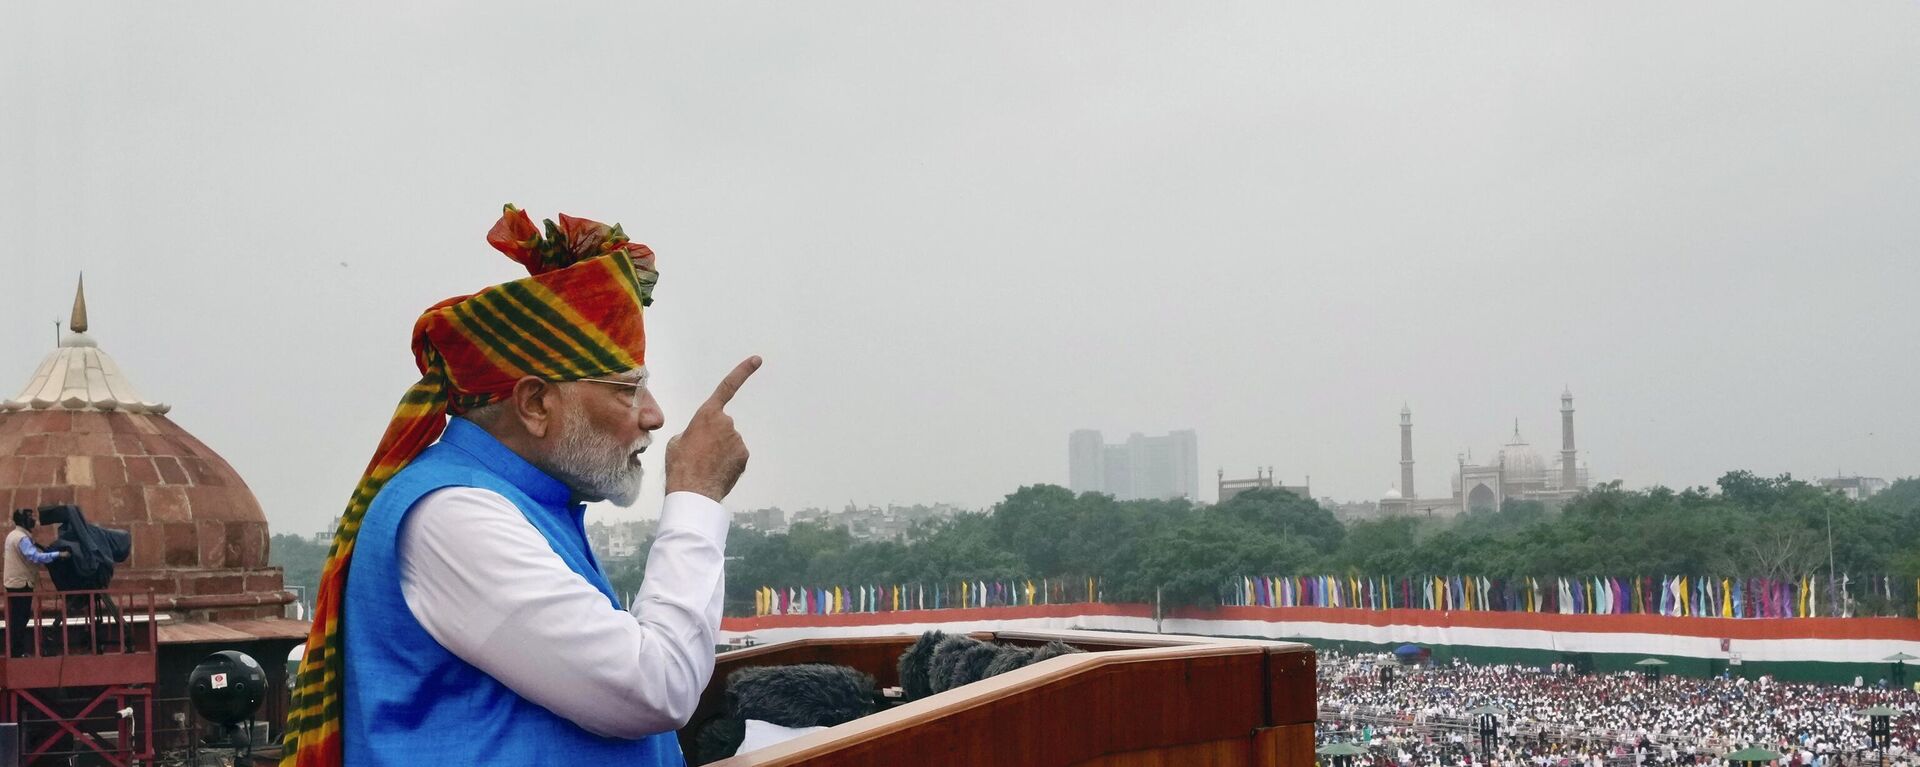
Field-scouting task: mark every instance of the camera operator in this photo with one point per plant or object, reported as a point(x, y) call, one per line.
point(22, 573)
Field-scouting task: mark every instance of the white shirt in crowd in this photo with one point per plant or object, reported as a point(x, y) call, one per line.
point(486, 585)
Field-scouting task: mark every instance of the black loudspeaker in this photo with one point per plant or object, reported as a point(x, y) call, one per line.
point(9, 744)
point(226, 687)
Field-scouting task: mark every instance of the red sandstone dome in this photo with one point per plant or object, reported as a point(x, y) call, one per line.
point(79, 433)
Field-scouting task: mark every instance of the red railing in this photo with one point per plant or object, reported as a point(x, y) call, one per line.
point(78, 674)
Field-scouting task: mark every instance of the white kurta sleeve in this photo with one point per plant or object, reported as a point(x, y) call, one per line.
point(487, 586)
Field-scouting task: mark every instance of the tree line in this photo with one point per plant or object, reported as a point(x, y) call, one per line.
point(1745, 526)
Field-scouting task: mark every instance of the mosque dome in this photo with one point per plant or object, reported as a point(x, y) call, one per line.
point(79, 433)
point(1392, 494)
point(1518, 461)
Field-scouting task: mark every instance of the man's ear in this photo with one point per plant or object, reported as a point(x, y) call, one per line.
point(534, 401)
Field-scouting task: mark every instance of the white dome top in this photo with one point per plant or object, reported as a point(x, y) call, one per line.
point(1392, 494)
point(79, 376)
point(1518, 461)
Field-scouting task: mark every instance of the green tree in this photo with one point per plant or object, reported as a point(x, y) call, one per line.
point(1192, 560)
point(1379, 547)
point(1289, 515)
point(300, 560)
point(1032, 524)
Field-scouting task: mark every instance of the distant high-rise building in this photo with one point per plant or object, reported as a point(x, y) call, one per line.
point(1143, 467)
point(1116, 472)
point(1086, 454)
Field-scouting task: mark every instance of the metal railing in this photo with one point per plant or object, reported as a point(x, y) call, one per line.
point(68, 623)
point(78, 673)
point(104, 727)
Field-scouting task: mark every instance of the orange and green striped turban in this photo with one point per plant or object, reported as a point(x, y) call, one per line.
point(578, 315)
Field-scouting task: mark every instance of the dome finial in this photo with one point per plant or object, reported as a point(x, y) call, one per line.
point(79, 321)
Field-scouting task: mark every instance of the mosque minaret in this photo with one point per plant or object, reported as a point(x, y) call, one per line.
point(1568, 469)
point(1406, 452)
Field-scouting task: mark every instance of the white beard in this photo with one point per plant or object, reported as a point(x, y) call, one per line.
point(592, 464)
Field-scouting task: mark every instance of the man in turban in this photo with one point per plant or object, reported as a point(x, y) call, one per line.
point(462, 617)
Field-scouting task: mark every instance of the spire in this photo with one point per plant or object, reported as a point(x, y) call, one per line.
point(1516, 431)
point(79, 322)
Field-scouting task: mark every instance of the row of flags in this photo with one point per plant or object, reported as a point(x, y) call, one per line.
point(1679, 596)
point(1695, 596)
point(771, 600)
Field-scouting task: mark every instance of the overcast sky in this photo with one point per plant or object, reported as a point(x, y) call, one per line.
point(958, 232)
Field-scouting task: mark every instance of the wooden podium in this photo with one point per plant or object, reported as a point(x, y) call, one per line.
point(1132, 700)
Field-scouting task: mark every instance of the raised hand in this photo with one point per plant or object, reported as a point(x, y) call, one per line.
point(709, 457)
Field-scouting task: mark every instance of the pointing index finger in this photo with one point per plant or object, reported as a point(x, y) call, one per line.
point(730, 385)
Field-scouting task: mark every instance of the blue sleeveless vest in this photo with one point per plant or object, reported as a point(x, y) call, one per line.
point(408, 699)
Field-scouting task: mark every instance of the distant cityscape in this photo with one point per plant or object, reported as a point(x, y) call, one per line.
point(1167, 467)
point(620, 540)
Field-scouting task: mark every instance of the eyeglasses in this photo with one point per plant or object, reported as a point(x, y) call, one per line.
point(636, 386)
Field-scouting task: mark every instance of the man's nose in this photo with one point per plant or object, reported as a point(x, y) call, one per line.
point(650, 416)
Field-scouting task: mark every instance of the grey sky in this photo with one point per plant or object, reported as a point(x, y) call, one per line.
point(957, 232)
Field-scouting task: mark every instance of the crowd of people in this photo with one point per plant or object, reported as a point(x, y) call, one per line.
point(1415, 716)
